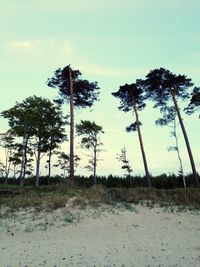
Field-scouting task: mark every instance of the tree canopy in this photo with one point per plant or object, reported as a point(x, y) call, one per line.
point(128, 94)
point(85, 92)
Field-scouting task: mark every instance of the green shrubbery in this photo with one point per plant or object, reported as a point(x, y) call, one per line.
point(162, 181)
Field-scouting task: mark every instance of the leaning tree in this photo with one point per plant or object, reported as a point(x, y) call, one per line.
point(76, 91)
point(132, 98)
point(169, 119)
point(162, 86)
point(90, 133)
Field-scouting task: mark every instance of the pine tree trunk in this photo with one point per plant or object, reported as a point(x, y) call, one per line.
point(38, 167)
point(95, 164)
point(186, 139)
point(25, 162)
point(71, 173)
point(22, 161)
point(142, 146)
point(8, 163)
point(7, 172)
point(49, 167)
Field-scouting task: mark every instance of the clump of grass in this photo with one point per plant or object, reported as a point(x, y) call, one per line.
point(186, 197)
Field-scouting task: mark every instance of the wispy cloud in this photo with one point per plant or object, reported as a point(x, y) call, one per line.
point(22, 45)
point(40, 45)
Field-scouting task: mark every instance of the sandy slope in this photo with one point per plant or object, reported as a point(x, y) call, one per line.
point(142, 237)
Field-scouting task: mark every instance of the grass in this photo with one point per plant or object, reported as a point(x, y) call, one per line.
point(55, 197)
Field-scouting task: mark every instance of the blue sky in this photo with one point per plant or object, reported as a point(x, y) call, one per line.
point(112, 42)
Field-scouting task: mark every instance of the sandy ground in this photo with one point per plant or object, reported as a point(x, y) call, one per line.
point(133, 237)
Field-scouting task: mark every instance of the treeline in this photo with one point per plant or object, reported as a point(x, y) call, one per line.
point(37, 126)
point(162, 181)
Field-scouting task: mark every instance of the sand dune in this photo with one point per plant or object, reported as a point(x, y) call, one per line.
point(137, 237)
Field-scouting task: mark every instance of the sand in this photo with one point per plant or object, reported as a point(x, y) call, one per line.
point(139, 237)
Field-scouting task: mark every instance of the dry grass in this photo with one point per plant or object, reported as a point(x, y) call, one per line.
point(50, 198)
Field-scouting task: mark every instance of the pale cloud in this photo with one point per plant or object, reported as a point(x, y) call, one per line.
point(22, 45)
point(109, 71)
point(43, 45)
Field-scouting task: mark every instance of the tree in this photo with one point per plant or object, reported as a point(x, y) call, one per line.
point(64, 162)
point(56, 136)
point(194, 104)
point(169, 119)
point(161, 86)
point(7, 142)
point(37, 120)
point(132, 98)
point(19, 118)
point(91, 140)
point(76, 91)
point(122, 157)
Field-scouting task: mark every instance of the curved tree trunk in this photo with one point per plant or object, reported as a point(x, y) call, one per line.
point(186, 139)
point(71, 172)
point(142, 146)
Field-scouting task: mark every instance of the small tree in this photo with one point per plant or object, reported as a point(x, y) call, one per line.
point(76, 91)
point(7, 142)
point(56, 136)
point(19, 119)
point(132, 97)
point(122, 157)
point(169, 119)
point(64, 163)
point(91, 140)
point(161, 86)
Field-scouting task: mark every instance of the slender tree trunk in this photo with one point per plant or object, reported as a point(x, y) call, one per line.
point(8, 163)
point(38, 166)
point(179, 156)
point(49, 166)
point(25, 162)
point(71, 173)
point(186, 139)
point(22, 161)
point(142, 146)
point(95, 164)
point(7, 172)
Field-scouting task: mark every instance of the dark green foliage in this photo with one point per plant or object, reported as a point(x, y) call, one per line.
point(90, 133)
point(40, 123)
point(194, 104)
point(132, 127)
point(127, 94)
point(169, 116)
point(85, 92)
point(63, 162)
point(162, 181)
point(122, 157)
point(160, 83)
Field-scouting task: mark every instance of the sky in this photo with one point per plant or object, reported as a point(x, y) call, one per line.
point(112, 42)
